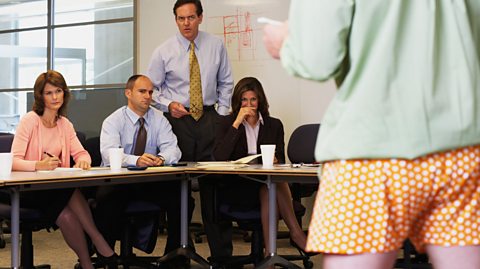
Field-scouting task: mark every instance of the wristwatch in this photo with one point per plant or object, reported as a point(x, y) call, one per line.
point(162, 158)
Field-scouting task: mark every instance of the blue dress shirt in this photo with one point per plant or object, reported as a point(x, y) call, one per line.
point(120, 130)
point(170, 72)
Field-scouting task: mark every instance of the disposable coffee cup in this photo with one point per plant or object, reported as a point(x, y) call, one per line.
point(115, 158)
point(6, 159)
point(268, 154)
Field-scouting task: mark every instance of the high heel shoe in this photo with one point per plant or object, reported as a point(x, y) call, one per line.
point(111, 262)
point(301, 250)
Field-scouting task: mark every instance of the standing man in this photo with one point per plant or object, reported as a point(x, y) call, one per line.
point(400, 141)
point(147, 139)
point(192, 74)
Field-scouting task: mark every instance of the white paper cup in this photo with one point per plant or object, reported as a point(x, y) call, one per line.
point(6, 159)
point(115, 158)
point(268, 154)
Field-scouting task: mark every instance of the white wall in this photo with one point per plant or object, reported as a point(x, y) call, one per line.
point(294, 101)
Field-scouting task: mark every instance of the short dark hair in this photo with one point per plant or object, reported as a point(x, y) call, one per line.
point(180, 3)
point(249, 84)
point(56, 79)
point(131, 81)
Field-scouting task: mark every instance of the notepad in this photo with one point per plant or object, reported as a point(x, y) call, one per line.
point(244, 160)
point(95, 168)
point(223, 165)
point(247, 159)
point(62, 169)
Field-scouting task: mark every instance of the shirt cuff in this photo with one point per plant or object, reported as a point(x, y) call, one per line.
point(223, 110)
point(130, 160)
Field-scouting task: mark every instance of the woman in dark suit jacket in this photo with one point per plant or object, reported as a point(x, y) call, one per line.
point(240, 134)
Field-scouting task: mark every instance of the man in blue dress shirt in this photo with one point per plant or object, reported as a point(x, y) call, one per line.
point(122, 130)
point(170, 71)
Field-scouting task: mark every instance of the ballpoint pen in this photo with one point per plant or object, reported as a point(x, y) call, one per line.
point(48, 154)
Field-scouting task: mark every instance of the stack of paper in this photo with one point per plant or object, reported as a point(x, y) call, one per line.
point(242, 162)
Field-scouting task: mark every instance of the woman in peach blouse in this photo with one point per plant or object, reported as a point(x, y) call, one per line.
point(44, 140)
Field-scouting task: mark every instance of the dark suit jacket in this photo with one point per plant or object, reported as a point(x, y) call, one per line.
point(231, 144)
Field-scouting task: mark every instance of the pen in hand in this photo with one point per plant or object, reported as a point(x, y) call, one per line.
point(51, 156)
point(49, 163)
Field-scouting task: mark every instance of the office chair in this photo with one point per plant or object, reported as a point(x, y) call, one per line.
point(30, 219)
point(81, 137)
point(138, 213)
point(250, 220)
point(301, 150)
point(4, 147)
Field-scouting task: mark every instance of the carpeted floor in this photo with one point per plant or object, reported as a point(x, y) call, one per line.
point(50, 248)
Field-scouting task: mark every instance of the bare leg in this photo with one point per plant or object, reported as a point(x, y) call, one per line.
point(284, 204)
point(360, 261)
point(466, 257)
point(78, 205)
point(73, 234)
point(285, 207)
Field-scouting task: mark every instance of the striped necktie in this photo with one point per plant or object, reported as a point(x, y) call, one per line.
point(196, 97)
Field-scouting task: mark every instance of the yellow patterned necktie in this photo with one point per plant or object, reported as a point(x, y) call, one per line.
point(196, 97)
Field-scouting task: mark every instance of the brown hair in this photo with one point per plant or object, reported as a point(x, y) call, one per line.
point(56, 79)
point(249, 84)
point(131, 81)
point(180, 3)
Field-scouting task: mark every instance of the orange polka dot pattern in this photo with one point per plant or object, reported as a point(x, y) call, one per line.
point(196, 97)
point(372, 206)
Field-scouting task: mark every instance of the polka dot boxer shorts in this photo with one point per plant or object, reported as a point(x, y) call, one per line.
point(372, 206)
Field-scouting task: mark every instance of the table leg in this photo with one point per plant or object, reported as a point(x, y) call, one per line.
point(273, 258)
point(272, 217)
point(15, 227)
point(184, 250)
point(184, 214)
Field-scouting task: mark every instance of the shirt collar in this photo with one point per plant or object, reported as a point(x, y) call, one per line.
point(260, 120)
point(185, 43)
point(134, 117)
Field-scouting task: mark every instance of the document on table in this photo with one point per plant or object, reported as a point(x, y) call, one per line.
point(62, 169)
point(96, 168)
point(247, 159)
point(162, 168)
point(242, 162)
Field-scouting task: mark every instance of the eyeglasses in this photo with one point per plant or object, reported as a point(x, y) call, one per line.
point(189, 18)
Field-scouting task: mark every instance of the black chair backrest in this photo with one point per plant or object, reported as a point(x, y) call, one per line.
point(6, 142)
point(301, 145)
point(92, 145)
point(82, 138)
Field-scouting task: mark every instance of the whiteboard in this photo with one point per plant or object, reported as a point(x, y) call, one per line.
point(295, 101)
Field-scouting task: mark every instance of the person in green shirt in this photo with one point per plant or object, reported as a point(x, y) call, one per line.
point(400, 140)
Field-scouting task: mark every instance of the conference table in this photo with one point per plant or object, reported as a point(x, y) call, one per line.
point(268, 176)
point(40, 180)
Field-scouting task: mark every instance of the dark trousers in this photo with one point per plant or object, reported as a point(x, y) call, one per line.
point(195, 140)
point(111, 202)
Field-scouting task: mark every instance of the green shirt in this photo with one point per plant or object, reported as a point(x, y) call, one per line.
point(408, 73)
